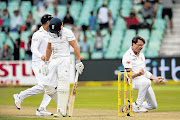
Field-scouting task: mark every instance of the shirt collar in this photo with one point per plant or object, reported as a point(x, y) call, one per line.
point(42, 29)
point(131, 51)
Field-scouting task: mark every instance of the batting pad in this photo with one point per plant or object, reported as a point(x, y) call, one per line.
point(63, 95)
point(51, 91)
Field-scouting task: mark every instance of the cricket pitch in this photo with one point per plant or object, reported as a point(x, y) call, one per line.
point(88, 114)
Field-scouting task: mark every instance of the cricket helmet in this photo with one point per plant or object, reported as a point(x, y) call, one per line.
point(55, 25)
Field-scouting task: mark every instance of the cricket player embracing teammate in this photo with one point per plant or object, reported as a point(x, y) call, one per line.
point(38, 48)
point(57, 70)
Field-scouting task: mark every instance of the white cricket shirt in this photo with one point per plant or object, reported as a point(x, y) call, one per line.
point(60, 45)
point(39, 44)
point(130, 60)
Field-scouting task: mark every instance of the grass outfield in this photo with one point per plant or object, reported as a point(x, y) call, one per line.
point(3, 117)
point(168, 97)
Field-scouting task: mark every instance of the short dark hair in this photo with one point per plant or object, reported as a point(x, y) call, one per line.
point(46, 18)
point(136, 38)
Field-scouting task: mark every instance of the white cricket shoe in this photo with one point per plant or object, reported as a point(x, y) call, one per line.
point(43, 112)
point(139, 108)
point(59, 114)
point(128, 105)
point(17, 101)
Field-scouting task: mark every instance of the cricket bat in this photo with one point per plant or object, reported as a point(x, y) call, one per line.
point(72, 96)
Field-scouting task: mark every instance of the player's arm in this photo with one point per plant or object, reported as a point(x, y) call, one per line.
point(134, 75)
point(45, 69)
point(127, 63)
point(73, 43)
point(158, 79)
point(48, 52)
point(79, 64)
point(34, 47)
point(151, 76)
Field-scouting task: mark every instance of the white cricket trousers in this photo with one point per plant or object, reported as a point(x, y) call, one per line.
point(145, 93)
point(58, 68)
point(37, 89)
point(58, 76)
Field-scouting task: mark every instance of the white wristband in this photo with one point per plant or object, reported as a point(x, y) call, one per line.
point(78, 61)
point(46, 62)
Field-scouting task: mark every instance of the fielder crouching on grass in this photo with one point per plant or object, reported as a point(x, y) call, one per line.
point(57, 84)
point(133, 60)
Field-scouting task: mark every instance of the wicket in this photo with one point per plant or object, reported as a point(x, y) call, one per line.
point(125, 94)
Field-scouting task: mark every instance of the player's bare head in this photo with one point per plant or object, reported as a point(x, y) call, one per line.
point(46, 18)
point(136, 39)
point(137, 44)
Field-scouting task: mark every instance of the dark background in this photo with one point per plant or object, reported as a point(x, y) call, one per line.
point(102, 70)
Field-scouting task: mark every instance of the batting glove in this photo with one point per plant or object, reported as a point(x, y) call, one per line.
point(79, 66)
point(45, 70)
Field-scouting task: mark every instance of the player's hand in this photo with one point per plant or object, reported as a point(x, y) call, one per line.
point(43, 58)
point(159, 79)
point(79, 66)
point(45, 70)
point(141, 72)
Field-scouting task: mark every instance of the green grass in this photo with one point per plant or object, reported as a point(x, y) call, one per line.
point(168, 97)
point(6, 94)
point(3, 117)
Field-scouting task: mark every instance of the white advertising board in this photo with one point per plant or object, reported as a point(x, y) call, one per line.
point(20, 73)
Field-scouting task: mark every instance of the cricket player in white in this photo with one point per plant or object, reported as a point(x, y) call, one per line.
point(58, 69)
point(133, 60)
point(38, 48)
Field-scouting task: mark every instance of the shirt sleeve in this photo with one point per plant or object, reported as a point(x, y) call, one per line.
point(35, 45)
point(70, 35)
point(148, 74)
point(49, 39)
point(127, 63)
